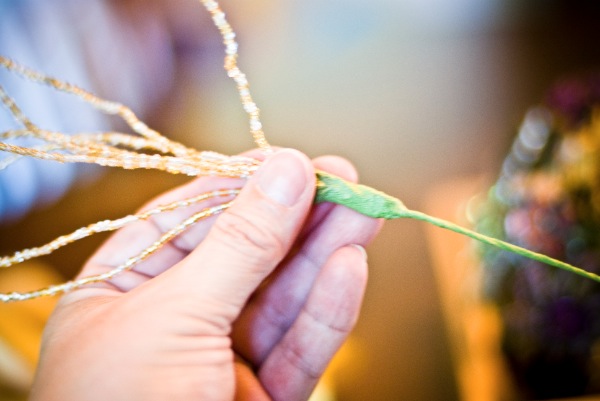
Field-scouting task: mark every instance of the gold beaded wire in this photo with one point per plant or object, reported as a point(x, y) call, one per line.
point(102, 148)
point(117, 149)
point(96, 228)
point(234, 72)
point(108, 225)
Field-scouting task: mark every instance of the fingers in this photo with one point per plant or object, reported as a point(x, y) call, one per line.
point(134, 238)
point(245, 243)
point(273, 310)
point(296, 363)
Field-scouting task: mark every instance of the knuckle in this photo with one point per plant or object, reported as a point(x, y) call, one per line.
point(253, 237)
point(338, 323)
point(299, 360)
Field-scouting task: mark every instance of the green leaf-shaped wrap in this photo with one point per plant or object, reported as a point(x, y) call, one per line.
point(363, 199)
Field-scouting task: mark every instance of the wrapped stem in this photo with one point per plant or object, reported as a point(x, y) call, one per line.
point(374, 203)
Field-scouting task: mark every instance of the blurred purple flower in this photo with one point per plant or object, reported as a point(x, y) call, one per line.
point(574, 98)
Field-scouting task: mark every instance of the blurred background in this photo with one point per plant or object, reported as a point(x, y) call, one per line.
point(417, 93)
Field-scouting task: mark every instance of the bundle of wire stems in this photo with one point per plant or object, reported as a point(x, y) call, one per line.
point(147, 148)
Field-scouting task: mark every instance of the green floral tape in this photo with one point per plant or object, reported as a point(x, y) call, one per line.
point(363, 199)
point(373, 203)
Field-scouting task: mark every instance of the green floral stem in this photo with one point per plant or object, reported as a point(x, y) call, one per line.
point(377, 204)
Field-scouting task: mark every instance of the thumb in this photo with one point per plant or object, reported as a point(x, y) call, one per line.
point(247, 241)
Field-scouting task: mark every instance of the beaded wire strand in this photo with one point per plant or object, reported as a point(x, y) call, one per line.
point(121, 150)
point(117, 149)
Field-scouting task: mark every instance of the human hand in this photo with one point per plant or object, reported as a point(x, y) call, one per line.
point(252, 304)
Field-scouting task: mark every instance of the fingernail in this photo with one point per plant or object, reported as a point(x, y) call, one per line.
point(283, 177)
point(361, 250)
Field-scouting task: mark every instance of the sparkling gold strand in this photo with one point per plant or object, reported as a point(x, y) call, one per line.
point(4, 163)
point(126, 140)
point(233, 71)
point(105, 106)
point(203, 165)
point(127, 265)
point(106, 149)
point(95, 144)
point(156, 141)
point(88, 144)
point(109, 138)
point(108, 225)
point(81, 149)
point(15, 110)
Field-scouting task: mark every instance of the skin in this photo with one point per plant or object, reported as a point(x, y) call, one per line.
point(249, 305)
